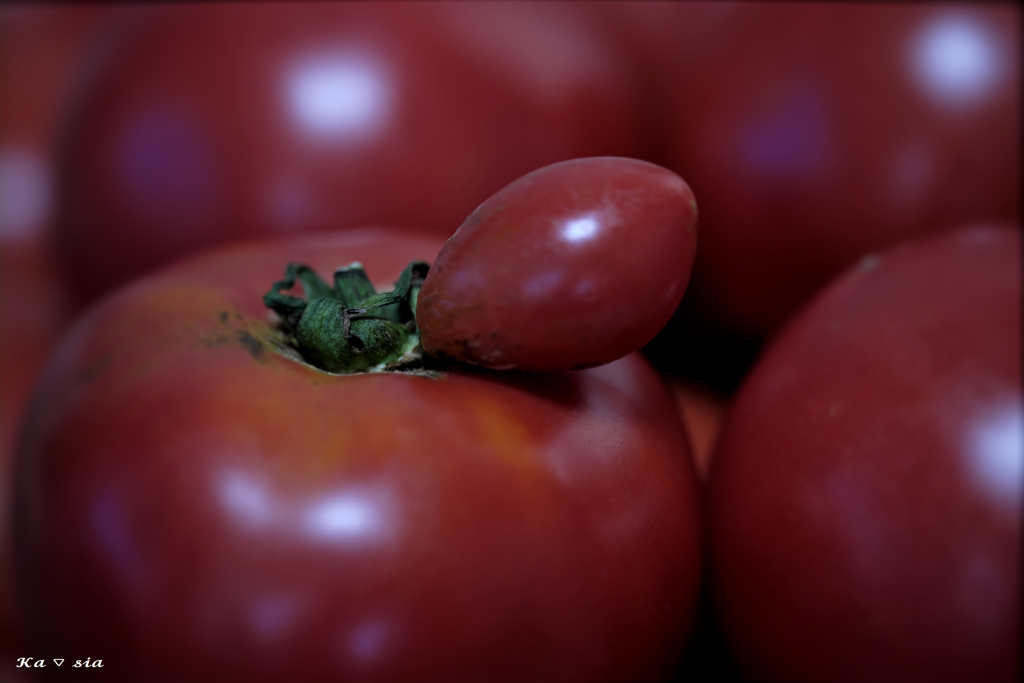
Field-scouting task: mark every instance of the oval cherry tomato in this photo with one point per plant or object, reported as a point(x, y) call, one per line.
point(865, 500)
point(197, 504)
point(323, 116)
point(574, 265)
point(814, 132)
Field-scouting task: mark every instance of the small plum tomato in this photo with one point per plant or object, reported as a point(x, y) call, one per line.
point(574, 265)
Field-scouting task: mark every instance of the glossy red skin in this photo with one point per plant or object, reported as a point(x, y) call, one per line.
point(809, 139)
point(175, 149)
point(574, 265)
point(195, 506)
point(864, 507)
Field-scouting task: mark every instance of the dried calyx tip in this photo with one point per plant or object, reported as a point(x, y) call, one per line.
point(350, 327)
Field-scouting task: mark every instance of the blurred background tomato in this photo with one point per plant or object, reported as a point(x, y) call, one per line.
point(814, 132)
point(864, 503)
point(205, 123)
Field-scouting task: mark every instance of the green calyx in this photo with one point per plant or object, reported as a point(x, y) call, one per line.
point(350, 327)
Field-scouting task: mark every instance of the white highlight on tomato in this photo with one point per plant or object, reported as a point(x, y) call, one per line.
point(247, 499)
point(956, 59)
point(997, 450)
point(356, 514)
point(580, 229)
point(348, 515)
point(340, 97)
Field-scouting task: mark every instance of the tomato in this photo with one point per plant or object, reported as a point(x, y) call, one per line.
point(322, 116)
point(196, 503)
point(864, 505)
point(814, 132)
point(573, 265)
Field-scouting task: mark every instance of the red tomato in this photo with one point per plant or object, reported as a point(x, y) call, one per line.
point(213, 122)
point(574, 265)
point(814, 132)
point(865, 500)
point(196, 505)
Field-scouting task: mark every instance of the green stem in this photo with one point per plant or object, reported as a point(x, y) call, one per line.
point(349, 327)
